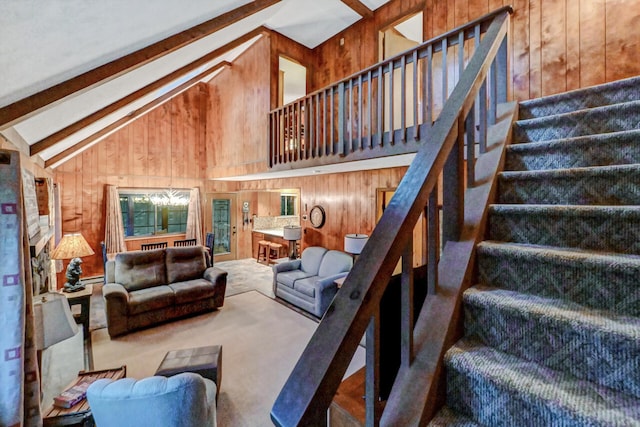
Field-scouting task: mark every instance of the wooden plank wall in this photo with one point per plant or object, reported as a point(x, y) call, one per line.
point(164, 148)
point(237, 117)
point(557, 45)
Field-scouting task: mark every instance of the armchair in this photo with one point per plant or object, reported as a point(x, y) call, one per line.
point(309, 282)
point(184, 400)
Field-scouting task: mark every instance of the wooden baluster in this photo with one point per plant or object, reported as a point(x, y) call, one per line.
point(324, 123)
point(391, 133)
point(380, 101)
point(445, 74)
point(502, 72)
point(372, 371)
point(403, 99)
point(281, 136)
point(350, 123)
point(493, 94)
point(406, 305)
point(453, 194)
point(360, 112)
point(332, 107)
point(370, 108)
point(301, 128)
point(317, 125)
point(414, 109)
point(469, 125)
point(341, 121)
point(273, 138)
point(433, 239)
point(481, 103)
point(428, 84)
point(460, 54)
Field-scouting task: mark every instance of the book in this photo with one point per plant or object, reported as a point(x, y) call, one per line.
point(73, 394)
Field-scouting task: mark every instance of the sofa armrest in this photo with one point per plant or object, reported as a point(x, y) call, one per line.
point(328, 281)
point(116, 302)
point(114, 292)
point(286, 266)
point(215, 275)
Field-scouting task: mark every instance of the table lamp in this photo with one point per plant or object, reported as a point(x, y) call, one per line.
point(72, 246)
point(353, 244)
point(292, 233)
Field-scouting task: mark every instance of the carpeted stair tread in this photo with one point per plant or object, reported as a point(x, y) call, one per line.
point(606, 228)
point(446, 417)
point(497, 389)
point(594, 345)
point(589, 97)
point(592, 150)
point(596, 185)
point(595, 279)
point(610, 118)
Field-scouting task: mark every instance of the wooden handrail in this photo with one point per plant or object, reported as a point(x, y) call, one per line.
point(314, 380)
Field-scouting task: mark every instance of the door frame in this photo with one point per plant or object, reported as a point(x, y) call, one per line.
point(233, 223)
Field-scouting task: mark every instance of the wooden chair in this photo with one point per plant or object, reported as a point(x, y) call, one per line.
point(185, 242)
point(150, 246)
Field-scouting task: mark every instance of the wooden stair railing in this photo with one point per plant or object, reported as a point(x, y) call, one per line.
point(370, 114)
point(310, 388)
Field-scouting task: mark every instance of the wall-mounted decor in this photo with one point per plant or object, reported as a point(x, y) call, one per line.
point(30, 203)
point(317, 216)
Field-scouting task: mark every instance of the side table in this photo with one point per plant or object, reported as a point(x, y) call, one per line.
point(80, 413)
point(83, 298)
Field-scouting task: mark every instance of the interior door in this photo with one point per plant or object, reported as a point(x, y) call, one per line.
point(223, 225)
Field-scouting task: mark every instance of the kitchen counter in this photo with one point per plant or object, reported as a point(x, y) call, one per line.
point(277, 232)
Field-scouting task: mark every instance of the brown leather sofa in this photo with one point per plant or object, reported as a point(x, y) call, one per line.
point(148, 287)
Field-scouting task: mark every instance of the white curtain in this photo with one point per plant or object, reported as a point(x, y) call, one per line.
point(19, 376)
point(114, 228)
point(194, 217)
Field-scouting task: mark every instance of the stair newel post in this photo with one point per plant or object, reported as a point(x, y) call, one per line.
point(453, 194)
point(406, 305)
point(433, 239)
point(469, 128)
point(373, 406)
point(341, 121)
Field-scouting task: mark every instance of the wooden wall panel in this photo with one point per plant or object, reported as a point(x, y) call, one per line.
point(158, 150)
point(622, 38)
point(592, 42)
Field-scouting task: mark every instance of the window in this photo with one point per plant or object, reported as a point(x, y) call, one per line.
point(287, 204)
point(151, 212)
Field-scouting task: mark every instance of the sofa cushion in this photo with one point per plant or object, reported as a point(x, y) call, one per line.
point(185, 263)
point(192, 290)
point(137, 270)
point(150, 299)
point(306, 286)
point(311, 258)
point(335, 262)
point(288, 278)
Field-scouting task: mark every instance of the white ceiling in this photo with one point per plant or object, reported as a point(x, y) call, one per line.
point(46, 42)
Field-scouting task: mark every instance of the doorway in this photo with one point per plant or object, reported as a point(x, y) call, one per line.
point(223, 225)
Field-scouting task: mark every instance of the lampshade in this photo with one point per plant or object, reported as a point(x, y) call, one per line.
point(292, 232)
point(72, 246)
point(53, 320)
point(353, 243)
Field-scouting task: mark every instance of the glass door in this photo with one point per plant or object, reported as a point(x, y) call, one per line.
point(223, 225)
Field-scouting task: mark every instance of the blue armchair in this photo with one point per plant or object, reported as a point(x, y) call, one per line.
point(183, 400)
point(308, 282)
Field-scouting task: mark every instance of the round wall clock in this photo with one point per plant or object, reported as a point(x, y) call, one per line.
point(317, 216)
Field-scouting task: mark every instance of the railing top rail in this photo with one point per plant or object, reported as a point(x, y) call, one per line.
point(320, 369)
point(433, 41)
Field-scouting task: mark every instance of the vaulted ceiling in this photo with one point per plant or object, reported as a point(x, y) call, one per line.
point(75, 70)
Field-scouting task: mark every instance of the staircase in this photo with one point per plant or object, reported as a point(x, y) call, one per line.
point(552, 329)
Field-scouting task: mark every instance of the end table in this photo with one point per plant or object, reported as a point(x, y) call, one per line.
point(83, 298)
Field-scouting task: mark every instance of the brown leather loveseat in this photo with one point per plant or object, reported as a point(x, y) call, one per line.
point(148, 287)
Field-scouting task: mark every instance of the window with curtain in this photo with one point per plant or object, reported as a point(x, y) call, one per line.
point(152, 212)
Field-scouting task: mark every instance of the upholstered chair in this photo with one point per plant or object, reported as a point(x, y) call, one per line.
point(183, 400)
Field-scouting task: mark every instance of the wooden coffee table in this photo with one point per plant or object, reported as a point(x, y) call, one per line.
point(80, 413)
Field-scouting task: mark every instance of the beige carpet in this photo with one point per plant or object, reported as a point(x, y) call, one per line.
point(261, 338)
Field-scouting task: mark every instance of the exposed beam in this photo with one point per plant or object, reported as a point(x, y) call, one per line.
point(31, 104)
point(52, 139)
point(132, 116)
point(360, 8)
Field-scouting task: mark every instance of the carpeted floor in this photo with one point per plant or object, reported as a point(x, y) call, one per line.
point(261, 338)
point(244, 275)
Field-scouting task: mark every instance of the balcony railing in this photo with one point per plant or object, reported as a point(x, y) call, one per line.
point(384, 110)
point(460, 127)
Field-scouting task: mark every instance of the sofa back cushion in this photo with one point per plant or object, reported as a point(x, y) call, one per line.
point(185, 263)
point(335, 262)
point(311, 258)
point(137, 270)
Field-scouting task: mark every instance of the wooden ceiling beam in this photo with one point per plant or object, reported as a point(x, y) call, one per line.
point(54, 138)
point(132, 116)
point(32, 104)
point(360, 8)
